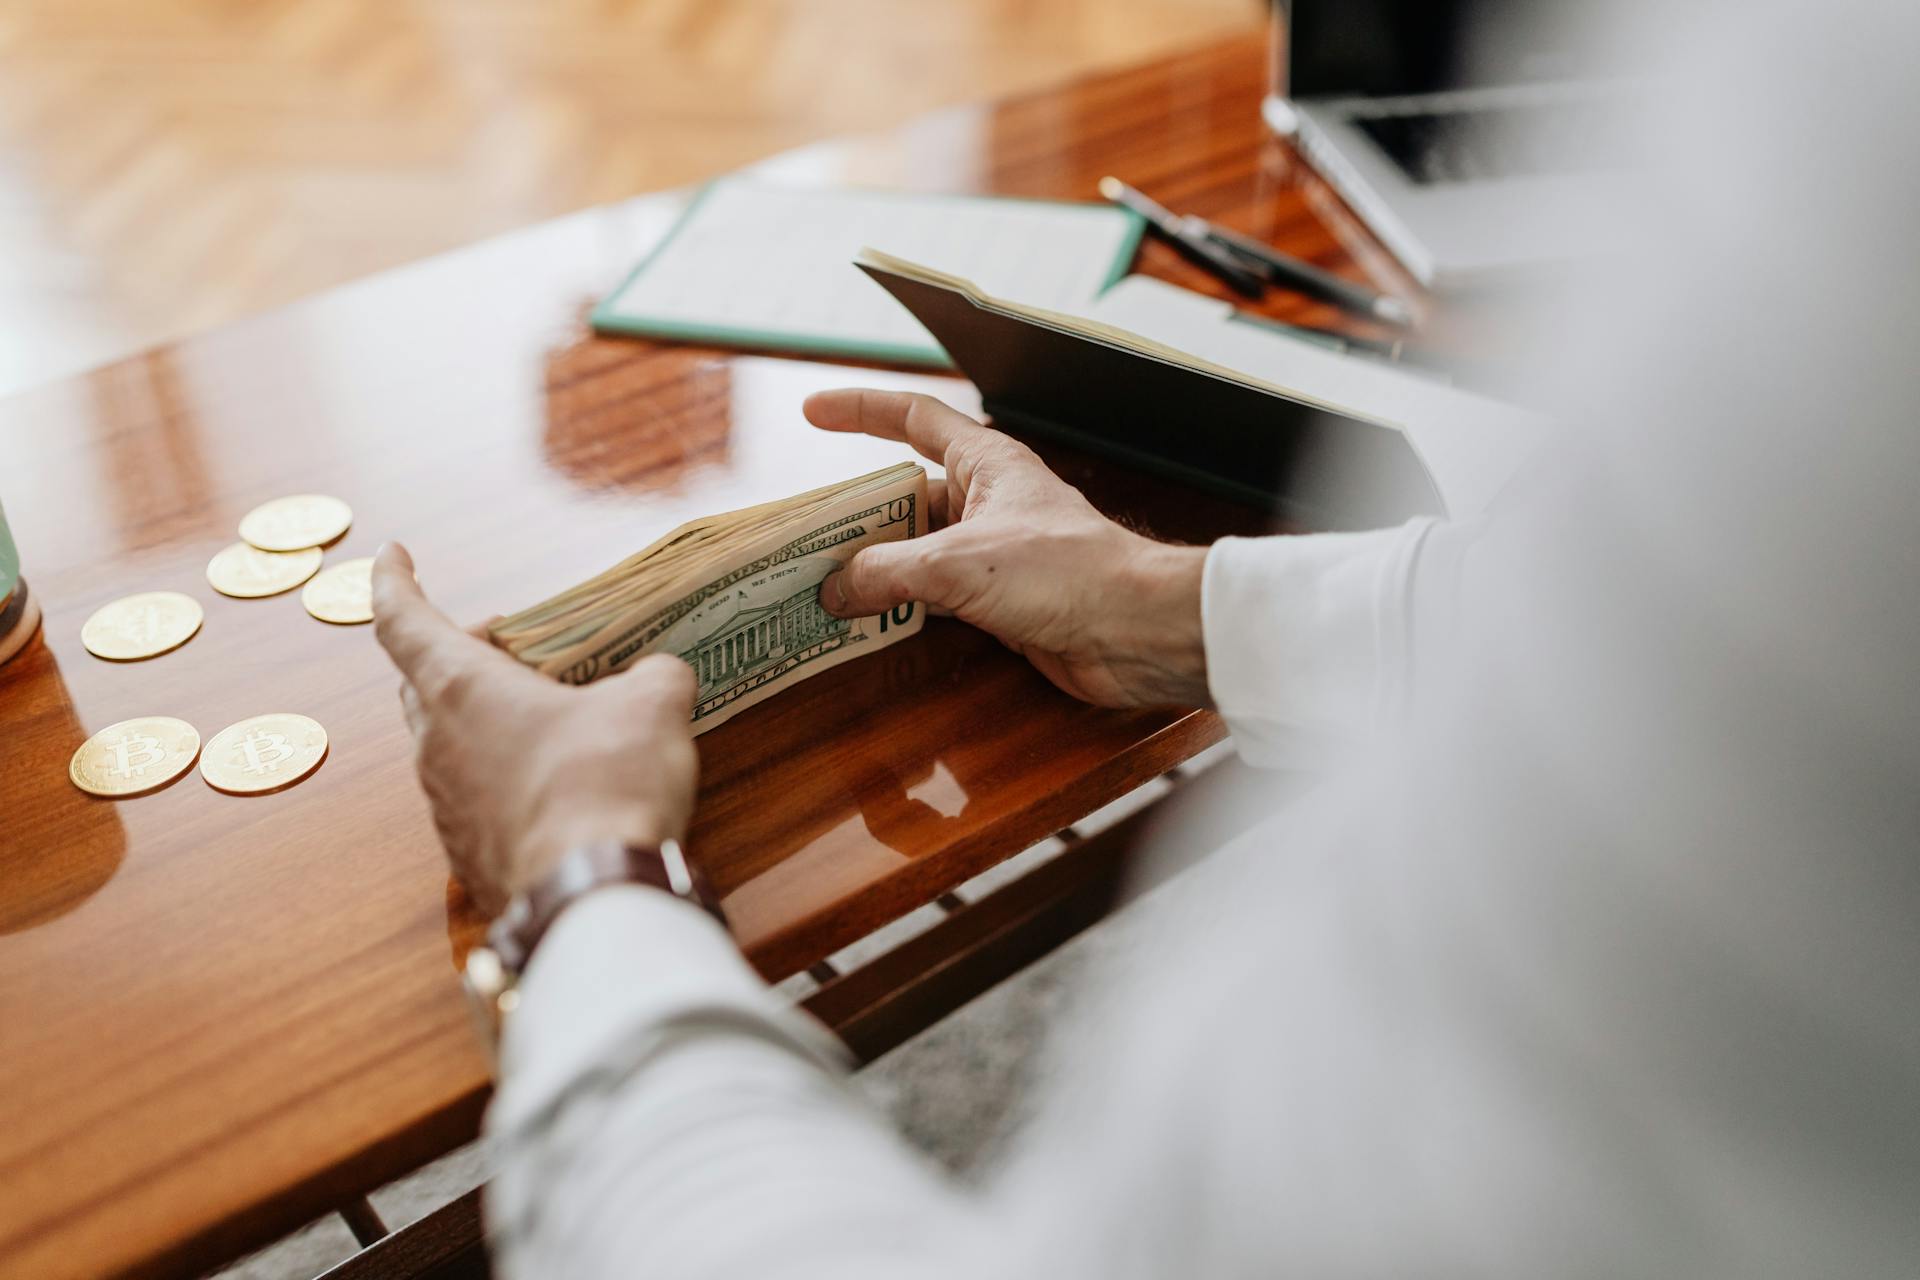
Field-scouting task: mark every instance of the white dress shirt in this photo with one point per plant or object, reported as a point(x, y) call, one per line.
point(636, 1116)
point(1601, 955)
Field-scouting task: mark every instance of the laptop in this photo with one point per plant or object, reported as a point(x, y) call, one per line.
point(1471, 136)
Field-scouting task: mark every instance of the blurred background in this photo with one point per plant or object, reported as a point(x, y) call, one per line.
point(168, 165)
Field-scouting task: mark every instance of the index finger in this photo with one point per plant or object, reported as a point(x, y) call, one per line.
point(923, 422)
point(409, 627)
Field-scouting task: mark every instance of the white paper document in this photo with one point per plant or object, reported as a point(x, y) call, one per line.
point(760, 265)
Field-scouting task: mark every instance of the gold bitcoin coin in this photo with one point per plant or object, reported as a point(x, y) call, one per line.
point(263, 753)
point(296, 523)
point(246, 571)
point(141, 626)
point(133, 756)
point(342, 593)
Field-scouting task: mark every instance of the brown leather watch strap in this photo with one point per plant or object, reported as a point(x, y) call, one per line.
point(529, 915)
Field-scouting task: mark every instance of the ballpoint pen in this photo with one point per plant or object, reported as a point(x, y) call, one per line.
point(1234, 257)
point(1245, 278)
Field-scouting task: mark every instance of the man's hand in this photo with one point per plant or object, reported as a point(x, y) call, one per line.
point(1107, 615)
point(518, 768)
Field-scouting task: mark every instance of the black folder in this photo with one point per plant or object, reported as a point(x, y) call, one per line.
point(1149, 406)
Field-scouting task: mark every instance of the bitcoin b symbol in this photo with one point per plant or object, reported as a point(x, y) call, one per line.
point(264, 752)
point(134, 754)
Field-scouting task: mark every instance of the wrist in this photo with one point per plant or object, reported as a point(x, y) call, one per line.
point(492, 972)
point(568, 827)
point(1161, 637)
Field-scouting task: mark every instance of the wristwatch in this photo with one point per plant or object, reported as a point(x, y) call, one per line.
point(492, 972)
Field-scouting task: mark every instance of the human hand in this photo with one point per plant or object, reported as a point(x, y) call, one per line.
point(1106, 614)
point(518, 768)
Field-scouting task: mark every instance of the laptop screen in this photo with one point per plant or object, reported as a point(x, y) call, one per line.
point(1384, 48)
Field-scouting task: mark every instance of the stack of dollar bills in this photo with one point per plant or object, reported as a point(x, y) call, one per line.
point(735, 596)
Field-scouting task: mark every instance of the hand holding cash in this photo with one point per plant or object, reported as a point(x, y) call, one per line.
point(1111, 617)
point(728, 610)
point(1107, 615)
point(519, 769)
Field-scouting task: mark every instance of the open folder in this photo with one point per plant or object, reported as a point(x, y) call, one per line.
point(1334, 441)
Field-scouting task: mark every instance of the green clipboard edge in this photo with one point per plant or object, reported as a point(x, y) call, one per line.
point(932, 355)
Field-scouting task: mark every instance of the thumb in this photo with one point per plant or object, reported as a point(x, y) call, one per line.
point(408, 626)
point(881, 577)
point(661, 680)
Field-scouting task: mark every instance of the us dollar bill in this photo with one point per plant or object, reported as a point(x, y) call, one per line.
point(749, 623)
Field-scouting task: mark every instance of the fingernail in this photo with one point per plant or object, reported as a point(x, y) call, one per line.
point(833, 597)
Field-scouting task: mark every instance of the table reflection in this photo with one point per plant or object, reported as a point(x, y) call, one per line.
point(154, 460)
point(42, 880)
point(597, 437)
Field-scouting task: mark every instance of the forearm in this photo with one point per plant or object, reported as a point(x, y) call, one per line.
point(663, 1113)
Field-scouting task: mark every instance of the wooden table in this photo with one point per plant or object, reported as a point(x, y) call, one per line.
point(222, 1016)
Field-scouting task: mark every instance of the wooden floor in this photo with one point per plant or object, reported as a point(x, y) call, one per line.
point(166, 165)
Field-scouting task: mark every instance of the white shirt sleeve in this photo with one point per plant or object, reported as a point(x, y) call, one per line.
point(654, 1093)
point(1308, 639)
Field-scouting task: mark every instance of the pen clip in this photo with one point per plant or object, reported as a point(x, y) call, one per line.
point(1261, 266)
point(1244, 275)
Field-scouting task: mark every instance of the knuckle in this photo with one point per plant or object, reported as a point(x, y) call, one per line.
point(923, 411)
point(871, 578)
point(997, 453)
point(859, 573)
point(1012, 452)
point(385, 623)
point(937, 567)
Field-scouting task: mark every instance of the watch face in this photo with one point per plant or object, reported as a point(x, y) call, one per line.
point(484, 974)
point(491, 995)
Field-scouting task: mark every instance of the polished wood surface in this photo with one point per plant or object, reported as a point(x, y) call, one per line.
point(167, 167)
point(979, 944)
point(223, 1015)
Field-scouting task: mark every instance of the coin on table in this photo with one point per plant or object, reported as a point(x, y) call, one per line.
point(342, 593)
point(246, 571)
point(135, 755)
point(141, 626)
point(263, 753)
point(296, 523)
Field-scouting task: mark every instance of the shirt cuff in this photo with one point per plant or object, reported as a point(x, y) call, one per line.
point(1306, 638)
point(619, 969)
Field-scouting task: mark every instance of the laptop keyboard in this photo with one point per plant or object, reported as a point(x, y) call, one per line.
point(1499, 142)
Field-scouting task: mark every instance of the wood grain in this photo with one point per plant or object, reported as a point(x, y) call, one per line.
point(169, 167)
point(223, 1015)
